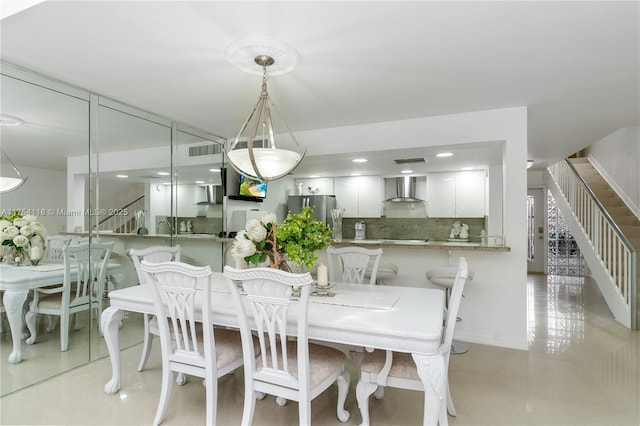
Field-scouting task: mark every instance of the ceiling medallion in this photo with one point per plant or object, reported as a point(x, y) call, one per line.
point(242, 53)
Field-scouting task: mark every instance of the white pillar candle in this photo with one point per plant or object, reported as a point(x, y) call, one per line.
point(323, 275)
point(36, 253)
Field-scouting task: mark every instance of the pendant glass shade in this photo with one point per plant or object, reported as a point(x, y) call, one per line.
point(265, 148)
point(11, 178)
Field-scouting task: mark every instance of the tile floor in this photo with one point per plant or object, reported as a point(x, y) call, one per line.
point(583, 368)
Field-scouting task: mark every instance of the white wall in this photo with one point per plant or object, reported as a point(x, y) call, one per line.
point(494, 308)
point(43, 195)
point(617, 157)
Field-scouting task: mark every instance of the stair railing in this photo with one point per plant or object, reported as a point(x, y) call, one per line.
point(616, 253)
point(123, 220)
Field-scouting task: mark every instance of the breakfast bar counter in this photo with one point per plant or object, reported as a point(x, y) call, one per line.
point(422, 244)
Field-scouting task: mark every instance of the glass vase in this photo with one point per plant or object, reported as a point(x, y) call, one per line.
point(16, 257)
point(336, 224)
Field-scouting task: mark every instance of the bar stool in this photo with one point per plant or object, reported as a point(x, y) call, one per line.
point(386, 271)
point(444, 277)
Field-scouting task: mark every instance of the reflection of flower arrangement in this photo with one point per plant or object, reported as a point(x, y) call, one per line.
point(298, 236)
point(19, 231)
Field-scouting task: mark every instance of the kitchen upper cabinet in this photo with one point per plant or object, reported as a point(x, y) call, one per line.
point(456, 194)
point(360, 196)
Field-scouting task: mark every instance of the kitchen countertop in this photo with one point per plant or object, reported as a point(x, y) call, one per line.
point(422, 244)
point(208, 237)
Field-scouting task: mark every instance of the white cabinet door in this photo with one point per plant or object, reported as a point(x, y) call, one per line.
point(441, 194)
point(186, 201)
point(369, 196)
point(346, 192)
point(360, 196)
point(456, 194)
point(470, 193)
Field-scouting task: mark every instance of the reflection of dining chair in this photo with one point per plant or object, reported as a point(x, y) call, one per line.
point(195, 348)
point(153, 254)
point(81, 290)
point(53, 247)
point(349, 264)
point(386, 368)
point(2, 311)
point(289, 369)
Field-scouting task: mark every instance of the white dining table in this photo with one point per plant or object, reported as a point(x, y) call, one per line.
point(403, 319)
point(15, 283)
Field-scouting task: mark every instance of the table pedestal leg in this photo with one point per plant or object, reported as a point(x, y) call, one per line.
point(13, 302)
point(110, 321)
point(431, 369)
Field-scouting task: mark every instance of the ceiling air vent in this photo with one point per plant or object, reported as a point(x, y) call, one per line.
point(210, 149)
point(257, 143)
point(409, 160)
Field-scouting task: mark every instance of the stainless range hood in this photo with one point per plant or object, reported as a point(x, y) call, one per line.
point(210, 195)
point(405, 190)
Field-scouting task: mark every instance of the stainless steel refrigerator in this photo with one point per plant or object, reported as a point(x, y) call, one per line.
point(322, 205)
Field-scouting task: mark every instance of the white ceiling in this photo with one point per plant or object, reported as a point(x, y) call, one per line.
point(574, 64)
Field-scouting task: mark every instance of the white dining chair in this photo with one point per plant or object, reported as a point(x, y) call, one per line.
point(291, 369)
point(53, 246)
point(349, 264)
point(395, 369)
point(188, 346)
point(153, 254)
point(81, 290)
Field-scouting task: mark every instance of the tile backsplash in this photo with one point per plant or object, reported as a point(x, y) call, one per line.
point(437, 229)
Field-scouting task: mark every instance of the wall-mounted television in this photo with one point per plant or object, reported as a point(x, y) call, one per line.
point(251, 187)
point(247, 188)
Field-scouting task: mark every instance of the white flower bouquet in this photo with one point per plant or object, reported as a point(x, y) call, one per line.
point(18, 232)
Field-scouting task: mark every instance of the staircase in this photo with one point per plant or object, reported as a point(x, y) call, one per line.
point(606, 243)
point(621, 214)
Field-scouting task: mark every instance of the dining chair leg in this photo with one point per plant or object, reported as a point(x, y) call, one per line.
point(363, 391)
point(165, 392)
point(30, 320)
point(249, 403)
point(379, 393)
point(343, 389)
point(51, 323)
point(64, 332)
point(146, 344)
point(450, 408)
point(211, 398)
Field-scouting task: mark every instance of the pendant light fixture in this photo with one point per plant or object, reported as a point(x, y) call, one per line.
point(264, 148)
point(8, 182)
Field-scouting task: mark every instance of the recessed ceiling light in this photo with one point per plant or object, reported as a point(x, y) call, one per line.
point(406, 171)
point(356, 174)
point(466, 168)
point(360, 160)
point(444, 154)
point(214, 170)
point(163, 173)
point(314, 176)
point(199, 181)
point(122, 176)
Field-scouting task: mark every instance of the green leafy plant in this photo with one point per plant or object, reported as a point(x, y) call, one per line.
point(301, 236)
